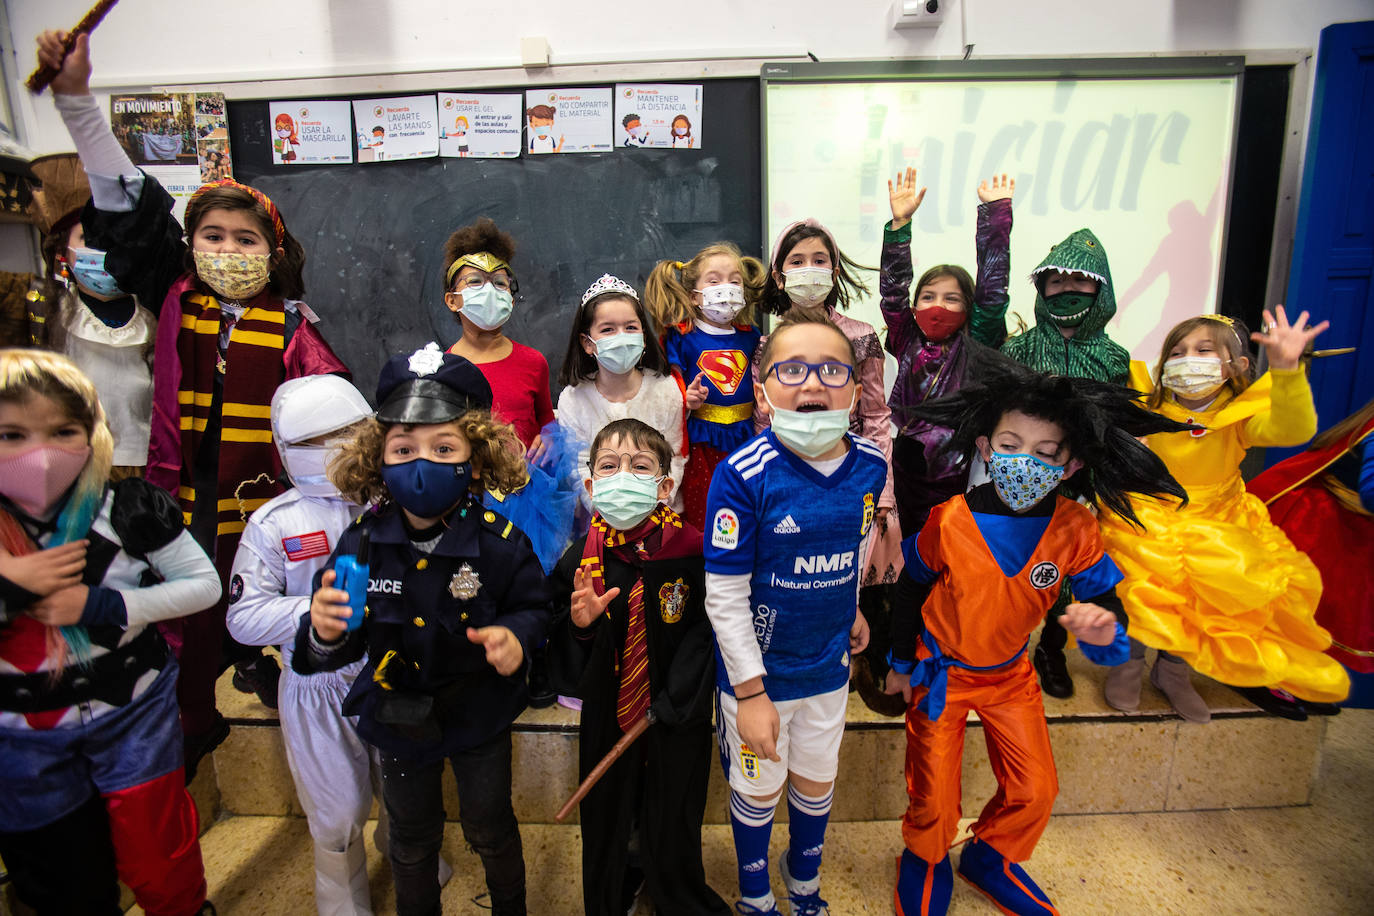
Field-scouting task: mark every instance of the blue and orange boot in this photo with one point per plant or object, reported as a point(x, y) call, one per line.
point(1003, 882)
point(922, 889)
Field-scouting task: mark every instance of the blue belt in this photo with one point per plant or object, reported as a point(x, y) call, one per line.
point(933, 674)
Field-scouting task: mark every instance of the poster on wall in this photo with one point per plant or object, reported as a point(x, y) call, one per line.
point(310, 133)
point(479, 126)
point(394, 129)
point(180, 138)
point(567, 120)
point(657, 115)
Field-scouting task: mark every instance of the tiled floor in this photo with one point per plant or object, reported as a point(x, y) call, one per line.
point(1310, 859)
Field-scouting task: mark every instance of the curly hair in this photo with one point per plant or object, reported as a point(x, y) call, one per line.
point(497, 458)
point(480, 236)
point(668, 292)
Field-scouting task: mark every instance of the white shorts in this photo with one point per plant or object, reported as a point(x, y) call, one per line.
point(809, 733)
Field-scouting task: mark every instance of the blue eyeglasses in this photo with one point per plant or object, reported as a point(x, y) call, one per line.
point(793, 372)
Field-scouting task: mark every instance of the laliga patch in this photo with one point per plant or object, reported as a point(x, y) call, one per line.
point(672, 599)
point(725, 368)
point(235, 588)
point(868, 515)
point(1044, 575)
point(748, 762)
point(725, 530)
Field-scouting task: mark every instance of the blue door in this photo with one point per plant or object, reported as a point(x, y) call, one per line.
point(1333, 254)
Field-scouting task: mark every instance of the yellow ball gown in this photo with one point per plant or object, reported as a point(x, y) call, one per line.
point(1214, 581)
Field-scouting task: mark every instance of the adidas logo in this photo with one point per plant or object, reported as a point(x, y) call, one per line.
point(787, 526)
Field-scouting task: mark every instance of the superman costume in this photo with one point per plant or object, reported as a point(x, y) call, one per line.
point(724, 422)
point(987, 576)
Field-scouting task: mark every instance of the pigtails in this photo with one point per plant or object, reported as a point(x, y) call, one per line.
point(668, 301)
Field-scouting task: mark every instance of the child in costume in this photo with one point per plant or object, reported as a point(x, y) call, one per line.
point(1215, 584)
point(615, 368)
point(78, 309)
point(480, 287)
point(1323, 499)
point(704, 307)
point(1074, 301)
point(230, 330)
point(978, 580)
point(91, 781)
point(809, 275)
point(789, 513)
point(456, 600)
point(631, 638)
point(286, 543)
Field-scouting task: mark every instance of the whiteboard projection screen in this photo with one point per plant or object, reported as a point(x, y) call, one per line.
point(1138, 151)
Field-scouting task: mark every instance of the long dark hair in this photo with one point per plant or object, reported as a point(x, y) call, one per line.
point(287, 278)
point(578, 366)
point(774, 299)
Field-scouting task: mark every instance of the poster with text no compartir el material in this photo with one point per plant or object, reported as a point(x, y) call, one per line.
point(567, 120)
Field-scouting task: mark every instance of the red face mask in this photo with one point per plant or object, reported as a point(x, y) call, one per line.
point(939, 323)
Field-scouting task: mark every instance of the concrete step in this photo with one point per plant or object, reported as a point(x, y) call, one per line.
point(1108, 761)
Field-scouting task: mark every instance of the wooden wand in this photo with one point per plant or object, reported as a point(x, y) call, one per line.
point(600, 769)
point(39, 79)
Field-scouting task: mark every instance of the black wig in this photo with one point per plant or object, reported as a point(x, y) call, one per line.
point(1101, 423)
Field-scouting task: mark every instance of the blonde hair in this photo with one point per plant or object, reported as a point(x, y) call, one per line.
point(668, 292)
point(1227, 335)
point(497, 458)
point(25, 373)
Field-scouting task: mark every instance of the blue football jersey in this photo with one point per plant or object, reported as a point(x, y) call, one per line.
point(798, 534)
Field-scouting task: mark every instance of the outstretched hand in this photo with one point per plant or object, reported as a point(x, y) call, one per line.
point(587, 605)
point(904, 197)
point(999, 188)
point(696, 392)
point(73, 70)
point(1285, 343)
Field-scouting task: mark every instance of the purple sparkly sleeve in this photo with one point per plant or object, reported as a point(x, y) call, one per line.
point(989, 322)
point(894, 286)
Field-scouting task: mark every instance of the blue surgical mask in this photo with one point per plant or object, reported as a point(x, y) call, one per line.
point(486, 306)
point(427, 488)
point(1023, 480)
point(620, 353)
point(623, 499)
point(811, 433)
point(88, 266)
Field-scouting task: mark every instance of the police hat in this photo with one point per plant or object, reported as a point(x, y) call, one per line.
point(430, 386)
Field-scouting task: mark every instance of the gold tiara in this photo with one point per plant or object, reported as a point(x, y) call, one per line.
point(1230, 323)
point(482, 260)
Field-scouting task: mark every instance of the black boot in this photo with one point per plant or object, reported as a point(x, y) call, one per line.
point(1054, 672)
point(259, 675)
point(1272, 703)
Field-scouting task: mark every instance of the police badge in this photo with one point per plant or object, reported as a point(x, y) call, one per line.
point(672, 598)
point(464, 584)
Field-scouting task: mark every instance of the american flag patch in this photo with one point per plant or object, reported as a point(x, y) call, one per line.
point(305, 546)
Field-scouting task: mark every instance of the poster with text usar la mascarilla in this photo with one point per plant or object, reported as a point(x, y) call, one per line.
point(310, 133)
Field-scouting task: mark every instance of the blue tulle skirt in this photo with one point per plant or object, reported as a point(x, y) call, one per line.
point(543, 508)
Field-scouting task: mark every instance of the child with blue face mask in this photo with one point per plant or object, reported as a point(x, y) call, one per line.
point(614, 369)
point(631, 638)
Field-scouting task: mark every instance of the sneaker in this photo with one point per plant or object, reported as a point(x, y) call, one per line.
point(746, 909)
point(922, 890)
point(1005, 883)
point(195, 747)
point(259, 676)
point(1054, 672)
point(802, 904)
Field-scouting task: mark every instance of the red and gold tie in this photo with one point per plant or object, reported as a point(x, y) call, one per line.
point(633, 700)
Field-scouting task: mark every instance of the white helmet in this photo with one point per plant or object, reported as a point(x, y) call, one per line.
point(304, 408)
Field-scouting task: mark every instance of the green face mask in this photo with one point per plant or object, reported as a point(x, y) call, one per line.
point(1069, 309)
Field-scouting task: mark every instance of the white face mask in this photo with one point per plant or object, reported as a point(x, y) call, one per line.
point(486, 306)
point(306, 465)
point(1193, 376)
point(808, 285)
point(722, 302)
point(811, 433)
point(619, 353)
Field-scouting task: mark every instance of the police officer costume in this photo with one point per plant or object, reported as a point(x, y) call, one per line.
point(427, 692)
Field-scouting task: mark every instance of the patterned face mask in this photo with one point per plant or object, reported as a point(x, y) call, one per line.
point(233, 276)
point(1023, 480)
point(1193, 376)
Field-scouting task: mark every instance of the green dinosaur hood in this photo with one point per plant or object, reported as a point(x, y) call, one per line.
point(1079, 253)
point(1090, 352)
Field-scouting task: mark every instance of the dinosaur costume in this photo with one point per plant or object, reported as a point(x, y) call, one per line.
point(1089, 353)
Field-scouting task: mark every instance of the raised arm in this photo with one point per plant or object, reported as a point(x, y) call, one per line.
point(988, 323)
point(895, 273)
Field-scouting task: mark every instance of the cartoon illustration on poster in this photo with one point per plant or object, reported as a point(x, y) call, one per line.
point(480, 126)
point(567, 120)
point(392, 129)
point(181, 138)
point(310, 133)
point(658, 116)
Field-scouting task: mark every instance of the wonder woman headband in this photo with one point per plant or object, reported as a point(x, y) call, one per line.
point(278, 226)
point(484, 261)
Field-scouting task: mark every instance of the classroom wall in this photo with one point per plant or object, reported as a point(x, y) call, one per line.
point(149, 42)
